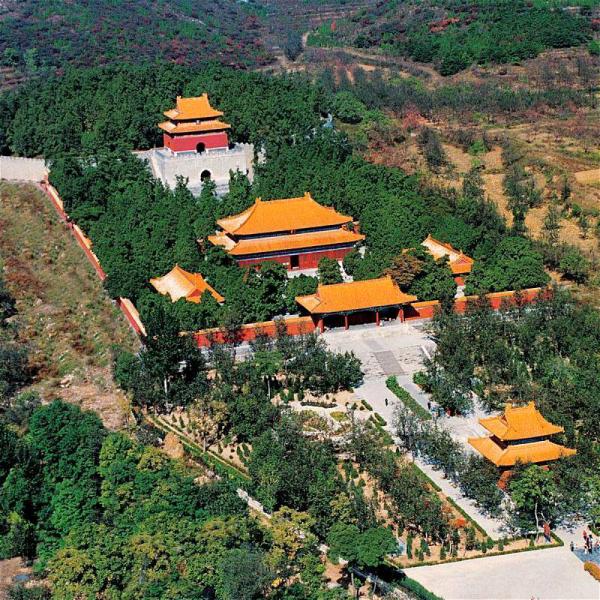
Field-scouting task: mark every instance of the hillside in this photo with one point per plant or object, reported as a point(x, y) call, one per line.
point(36, 36)
point(454, 35)
point(67, 322)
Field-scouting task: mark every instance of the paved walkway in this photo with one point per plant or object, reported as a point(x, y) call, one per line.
point(404, 344)
point(545, 574)
point(554, 573)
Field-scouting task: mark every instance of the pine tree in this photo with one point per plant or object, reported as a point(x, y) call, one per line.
point(551, 225)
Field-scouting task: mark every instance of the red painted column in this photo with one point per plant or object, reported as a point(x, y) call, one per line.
point(401, 314)
point(377, 318)
point(346, 322)
point(322, 325)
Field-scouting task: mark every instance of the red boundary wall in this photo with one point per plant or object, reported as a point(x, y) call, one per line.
point(294, 325)
point(249, 332)
point(426, 310)
point(127, 307)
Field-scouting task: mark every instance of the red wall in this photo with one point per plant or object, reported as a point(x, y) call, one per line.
point(124, 304)
point(426, 310)
point(187, 143)
point(247, 333)
point(309, 260)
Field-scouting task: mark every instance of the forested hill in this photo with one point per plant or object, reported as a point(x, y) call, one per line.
point(454, 34)
point(41, 34)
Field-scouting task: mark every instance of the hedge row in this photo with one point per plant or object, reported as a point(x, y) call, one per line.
point(407, 399)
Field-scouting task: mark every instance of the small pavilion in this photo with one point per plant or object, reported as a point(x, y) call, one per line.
point(520, 434)
point(194, 126)
point(296, 232)
point(179, 283)
point(355, 302)
point(460, 264)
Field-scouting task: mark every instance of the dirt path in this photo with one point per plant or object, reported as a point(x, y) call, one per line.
point(64, 314)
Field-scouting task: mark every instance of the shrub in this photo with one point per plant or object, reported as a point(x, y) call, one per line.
point(393, 385)
point(575, 266)
point(348, 108)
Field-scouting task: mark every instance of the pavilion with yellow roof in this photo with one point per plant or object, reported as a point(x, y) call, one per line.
point(194, 126)
point(179, 283)
point(460, 264)
point(520, 434)
point(356, 302)
point(296, 232)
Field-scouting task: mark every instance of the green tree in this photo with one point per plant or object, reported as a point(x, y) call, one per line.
point(534, 492)
point(404, 269)
point(574, 265)
point(472, 186)
point(302, 285)
point(169, 371)
point(431, 145)
point(347, 108)
point(329, 271)
point(513, 265)
point(244, 575)
point(551, 227)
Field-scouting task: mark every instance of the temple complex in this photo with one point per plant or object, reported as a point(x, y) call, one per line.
point(345, 304)
point(460, 264)
point(197, 147)
point(179, 283)
point(194, 126)
point(296, 232)
point(520, 434)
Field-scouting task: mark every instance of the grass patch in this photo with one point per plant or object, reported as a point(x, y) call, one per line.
point(407, 399)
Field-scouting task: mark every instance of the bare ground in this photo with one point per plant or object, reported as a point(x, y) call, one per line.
point(64, 314)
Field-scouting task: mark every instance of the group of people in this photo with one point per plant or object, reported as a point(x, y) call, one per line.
point(591, 543)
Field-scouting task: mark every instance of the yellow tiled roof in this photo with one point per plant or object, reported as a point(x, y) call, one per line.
point(281, 243)
point(357, 295)
point(534, 452)
point(290, 214)
point(517, 423)
point(192, 108)
point(179, 283)
point(459, 263)
point(212, 125)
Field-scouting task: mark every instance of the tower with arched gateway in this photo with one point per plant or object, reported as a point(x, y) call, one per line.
point(196, 146)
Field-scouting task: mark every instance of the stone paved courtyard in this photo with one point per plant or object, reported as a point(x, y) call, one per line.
point(553, 574)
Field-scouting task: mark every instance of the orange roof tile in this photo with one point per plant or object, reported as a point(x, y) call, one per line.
point(534, 452)
point(212, 125)
point(280, 243)
point(357, 295)
point(192, 108)
point(518, 423)
point(179, 283)
point(290, 214)
point(459, 263)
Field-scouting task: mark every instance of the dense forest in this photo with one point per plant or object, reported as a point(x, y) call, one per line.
point(108, 514)
point(137, 238)
point(37, 37)
point(453, 34)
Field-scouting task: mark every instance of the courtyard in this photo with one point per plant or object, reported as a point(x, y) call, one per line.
point(399, 349)
point(554, 573)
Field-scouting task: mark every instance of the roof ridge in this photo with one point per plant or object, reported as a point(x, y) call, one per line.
point(383, 277)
